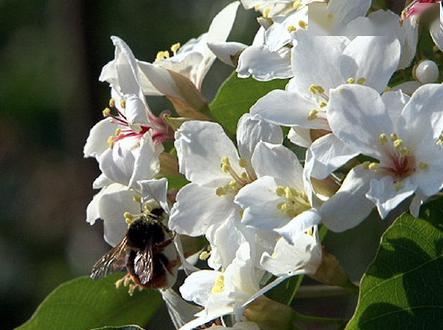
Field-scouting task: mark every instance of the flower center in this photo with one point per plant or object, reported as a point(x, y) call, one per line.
point(160, 129)
point(295, 202)
point(402, 162)
point(239, 180)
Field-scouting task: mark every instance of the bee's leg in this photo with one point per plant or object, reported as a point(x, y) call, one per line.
point(124, 281)
point(158, 247)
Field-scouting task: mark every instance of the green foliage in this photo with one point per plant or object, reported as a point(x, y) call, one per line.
point(84, 304)
point(236, 96)
point(402, 287)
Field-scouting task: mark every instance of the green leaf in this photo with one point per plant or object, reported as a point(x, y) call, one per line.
point(236, 96)
point(402, 287)
point(84, 303)
point(125, 327)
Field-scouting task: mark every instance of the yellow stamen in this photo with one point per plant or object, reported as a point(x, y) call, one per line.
point(316, 89)
point(313, 114)
point(361, 81)
point(423, 166)
point(280, 191)
point(373, 166)
point(204, 255)
point(350, 80)
point(291, 28)
point(323, 104)
point(137, 198)
point(111, 103)
point(383, 138)
point(219, 284)
point(267, 12)
point(129, 218)
point(220, 191)
point(106, 112)
point(398, 143)
point(303, 24)
point(175, 47)
point(123, 103)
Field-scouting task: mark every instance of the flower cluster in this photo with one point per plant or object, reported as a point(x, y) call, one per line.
point(371, 138)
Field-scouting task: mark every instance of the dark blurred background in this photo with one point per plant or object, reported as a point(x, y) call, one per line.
point(51, 54)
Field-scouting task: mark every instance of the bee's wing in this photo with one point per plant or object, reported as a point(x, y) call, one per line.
point(144, 265)
point(112, 261)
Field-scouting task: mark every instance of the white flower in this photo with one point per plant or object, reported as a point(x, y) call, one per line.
point(403, 135)
point(209, 159)
point(280, 199)
point(194, 59)
point(320, 64)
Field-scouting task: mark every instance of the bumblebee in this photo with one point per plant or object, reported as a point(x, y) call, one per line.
point(146, 252)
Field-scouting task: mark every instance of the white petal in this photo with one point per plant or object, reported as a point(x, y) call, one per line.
point(357, 116)
point(97, 143)
point(201, 146)
point(315, 61)
point(197, 208)
point(386, 197)
point(328, 154)
point(300, 136)
point(349, 206)
point(147, 163)
point(295, 228)
point(227, 51)
point(264, 65)
point(288, 108)
point(112, 206)
point(253, 129)
point(157, 190)
point(373, 58)
point(135, 110)
point(161, 79)
point(221, 24)
point(179, 310)
point(436, 31)
point(259, 202)
point(304, 255)
point(101, 181)
point(279, 162)
point(423, 114)
point(345, 11)
point(198, 285)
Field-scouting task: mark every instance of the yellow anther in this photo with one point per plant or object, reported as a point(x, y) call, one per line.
point(423, 166)
point(280, 191)
point(439, 142)
point(323, 104)
point(267, 12)
point(106, 112)
point(290, 193)
point(398, 143)
point(175, 47)
point(225, 164)
point(313, 114)
point(204, 255)
point(291, 28)
point(137, 198)
point(243, 163)
point(111, 103)
point(393, 136)
point(162, 55)
point(219, 284)
point(110, 141)
point(316, 89)
point(297, 4)
point(220, 191)
point(373, 166)
point(303, 24)
point(361, 81)
point(123, 103)
point(118, 131)
point(234, 185)
point(383, 138)
point(282, 207)
point(350, 80)
point(129, 218)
